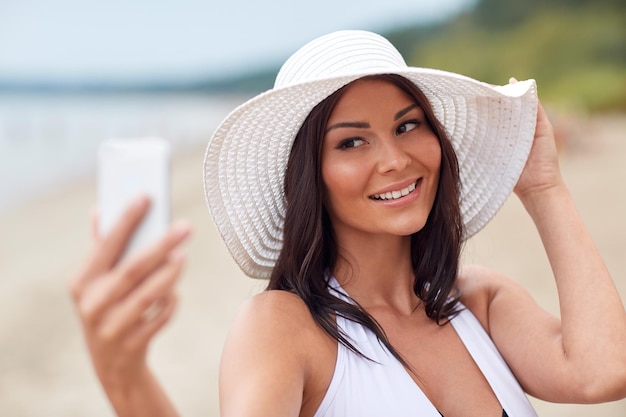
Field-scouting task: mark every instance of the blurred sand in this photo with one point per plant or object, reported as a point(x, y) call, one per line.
point(44, 368)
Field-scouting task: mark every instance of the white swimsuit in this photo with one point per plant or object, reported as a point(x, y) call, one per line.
point(382, 386)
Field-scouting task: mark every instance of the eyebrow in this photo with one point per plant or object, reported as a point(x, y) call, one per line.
point(365, 125)
point(358, 125)
point(405, 111)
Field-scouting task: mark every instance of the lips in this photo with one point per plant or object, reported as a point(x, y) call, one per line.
point(396, 194)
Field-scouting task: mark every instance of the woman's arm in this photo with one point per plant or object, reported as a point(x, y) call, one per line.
point(582, 357)
point(122, 305)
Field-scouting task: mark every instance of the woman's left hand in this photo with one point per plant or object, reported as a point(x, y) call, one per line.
point(542, 167)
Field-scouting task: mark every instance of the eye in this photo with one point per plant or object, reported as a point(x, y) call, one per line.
point(351, 143)
point(408, 126)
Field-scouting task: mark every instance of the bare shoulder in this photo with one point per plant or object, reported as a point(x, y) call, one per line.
point(277, 326)
point(479, 286)
point(273, 338)
point(277, 302)
point(277, 310)
point(270, 316)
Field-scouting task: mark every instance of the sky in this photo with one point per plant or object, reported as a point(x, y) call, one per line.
point(157, 40)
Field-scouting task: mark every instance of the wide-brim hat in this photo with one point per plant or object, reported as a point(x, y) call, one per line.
point(491, 129)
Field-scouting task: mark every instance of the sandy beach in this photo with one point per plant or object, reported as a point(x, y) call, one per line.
point(44, 367)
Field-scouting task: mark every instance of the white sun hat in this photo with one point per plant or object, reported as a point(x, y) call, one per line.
point(491, 129)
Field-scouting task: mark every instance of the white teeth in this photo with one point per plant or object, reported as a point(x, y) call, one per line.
point(394, 195)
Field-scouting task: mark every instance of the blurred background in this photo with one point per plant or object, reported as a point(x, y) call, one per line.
point(75, 72)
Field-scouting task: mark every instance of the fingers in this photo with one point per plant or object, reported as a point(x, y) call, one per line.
point(96, 297)
point(113, 244)
point(144, 304)
point(108, 249)
point(542, 117)
point(544, 126)
point(77, 283)
point(141, 335)
point(144, 262)
point(122, 305)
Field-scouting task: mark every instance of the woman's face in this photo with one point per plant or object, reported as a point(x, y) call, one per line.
point(380, 162)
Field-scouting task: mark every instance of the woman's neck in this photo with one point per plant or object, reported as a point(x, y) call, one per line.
point(376, 271)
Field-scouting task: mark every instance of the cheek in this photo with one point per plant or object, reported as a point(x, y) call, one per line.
point(428, 156)
point(431, 155)
point(341, 181)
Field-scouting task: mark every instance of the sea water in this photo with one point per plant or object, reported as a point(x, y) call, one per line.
point(48, 140)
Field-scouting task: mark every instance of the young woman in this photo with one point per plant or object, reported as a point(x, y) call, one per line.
point(351, 185)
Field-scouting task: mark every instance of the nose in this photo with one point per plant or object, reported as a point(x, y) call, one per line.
point(391, 156)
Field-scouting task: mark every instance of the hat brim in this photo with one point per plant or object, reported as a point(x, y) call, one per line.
point(491, 129)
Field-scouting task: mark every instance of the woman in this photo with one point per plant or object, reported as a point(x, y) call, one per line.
point(351, 185)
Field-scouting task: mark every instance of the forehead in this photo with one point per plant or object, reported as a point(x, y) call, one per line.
point(370, 96)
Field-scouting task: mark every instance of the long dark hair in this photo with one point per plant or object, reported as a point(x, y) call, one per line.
point(309, 249)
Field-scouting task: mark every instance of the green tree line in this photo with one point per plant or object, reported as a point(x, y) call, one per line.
point(575, 49)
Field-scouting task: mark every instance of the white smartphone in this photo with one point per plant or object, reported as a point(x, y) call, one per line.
point(126, 169)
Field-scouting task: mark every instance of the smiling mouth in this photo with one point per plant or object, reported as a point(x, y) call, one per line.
point(395, 195)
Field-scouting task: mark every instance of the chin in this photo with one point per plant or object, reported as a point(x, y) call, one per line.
point(407, 229)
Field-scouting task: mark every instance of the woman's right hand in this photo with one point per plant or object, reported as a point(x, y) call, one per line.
point(123, 303)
